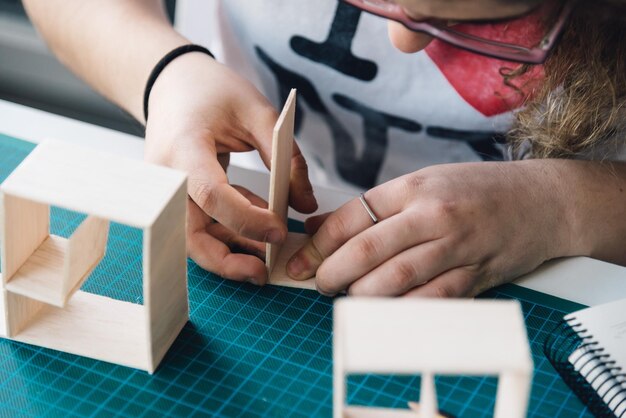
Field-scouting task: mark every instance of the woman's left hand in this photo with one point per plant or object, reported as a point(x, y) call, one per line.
point(447, 231)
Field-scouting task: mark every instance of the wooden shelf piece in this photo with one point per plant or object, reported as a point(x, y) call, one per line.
point(276, 256)
point(431, 337)
point(41, 276)
point(39, 299)
point(60, 266)
point(93, 326)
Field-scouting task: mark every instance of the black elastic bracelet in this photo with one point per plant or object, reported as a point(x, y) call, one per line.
point(158, 68)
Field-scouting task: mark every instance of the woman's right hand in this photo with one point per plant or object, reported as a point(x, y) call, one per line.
point(199, 112)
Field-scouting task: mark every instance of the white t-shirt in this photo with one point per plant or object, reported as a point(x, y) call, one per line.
point(366, 112)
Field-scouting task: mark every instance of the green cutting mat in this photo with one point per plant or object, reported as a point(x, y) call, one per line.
point(246, 351)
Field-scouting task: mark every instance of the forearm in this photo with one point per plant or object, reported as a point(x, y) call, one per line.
point(112, 44)
point(594, 197)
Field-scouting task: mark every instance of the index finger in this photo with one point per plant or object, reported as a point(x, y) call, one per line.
point(208, 187)
point(301, 196)
point(340, 226)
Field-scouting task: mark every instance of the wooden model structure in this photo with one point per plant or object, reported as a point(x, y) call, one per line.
point(428, 337)
point(41, 273)
point(276, 256)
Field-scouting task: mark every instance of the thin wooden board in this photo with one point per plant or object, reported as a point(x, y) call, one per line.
point(86, 248)
point(88, 181)
point(24, 226)
point(165, 276)
point(41, 276)
point(60, 266)
point(373, 412)
point(282, 148)
point(92, 326)
point(492, 336)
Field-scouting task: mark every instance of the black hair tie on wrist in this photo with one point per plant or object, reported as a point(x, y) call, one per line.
point(158, 68)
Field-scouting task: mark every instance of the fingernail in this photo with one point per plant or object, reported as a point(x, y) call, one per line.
point(253, 280)
point(296, 268)
point(323, 293)
point(274, 236)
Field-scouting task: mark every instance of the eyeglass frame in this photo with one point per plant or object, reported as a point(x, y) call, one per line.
point(468, 42)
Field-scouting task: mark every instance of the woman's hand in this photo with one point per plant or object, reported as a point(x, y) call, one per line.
point(199, 112)
point(448, 231)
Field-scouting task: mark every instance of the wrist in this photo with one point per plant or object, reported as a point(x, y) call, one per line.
point(177, 82)
point(572, 199)
point(554, 202)
point(163, 63)
point(595, 207)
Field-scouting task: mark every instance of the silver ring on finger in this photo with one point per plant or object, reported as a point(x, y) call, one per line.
point(367, 207)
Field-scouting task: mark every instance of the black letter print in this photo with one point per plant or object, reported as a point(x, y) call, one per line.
point(485, 143)
point(364, 171)
point(361, 171)
point(335, 51)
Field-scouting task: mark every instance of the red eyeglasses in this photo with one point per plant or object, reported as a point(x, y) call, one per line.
point(467, 41)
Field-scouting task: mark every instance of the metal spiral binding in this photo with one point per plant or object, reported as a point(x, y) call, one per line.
point(569, 336)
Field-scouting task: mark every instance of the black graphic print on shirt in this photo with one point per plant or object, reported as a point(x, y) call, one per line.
point(487, 144)
point(359, 170)
point(336, 50)
point(336, 54)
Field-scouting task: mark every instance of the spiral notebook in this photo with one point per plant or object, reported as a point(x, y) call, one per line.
point(588, 349)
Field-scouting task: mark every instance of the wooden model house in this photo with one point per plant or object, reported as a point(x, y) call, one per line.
point(431, 337)
point(41, 273)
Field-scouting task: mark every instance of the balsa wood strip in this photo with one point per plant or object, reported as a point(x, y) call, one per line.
point(83, 180)
point(492, 334)
point(92, 326)
point(41, 276)
point(165, 277)
point(366, 412)
point(20, 310)
point(59, 266)
point(24, 227)
point(86, 248)
point(276, 256)
point(282, 146)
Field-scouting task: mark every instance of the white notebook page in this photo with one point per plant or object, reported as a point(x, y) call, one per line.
point(606, 325)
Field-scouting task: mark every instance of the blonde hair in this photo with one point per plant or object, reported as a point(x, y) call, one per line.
point(580, 109)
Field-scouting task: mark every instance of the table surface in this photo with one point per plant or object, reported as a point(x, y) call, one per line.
point(246, 351)
point(249, 351)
